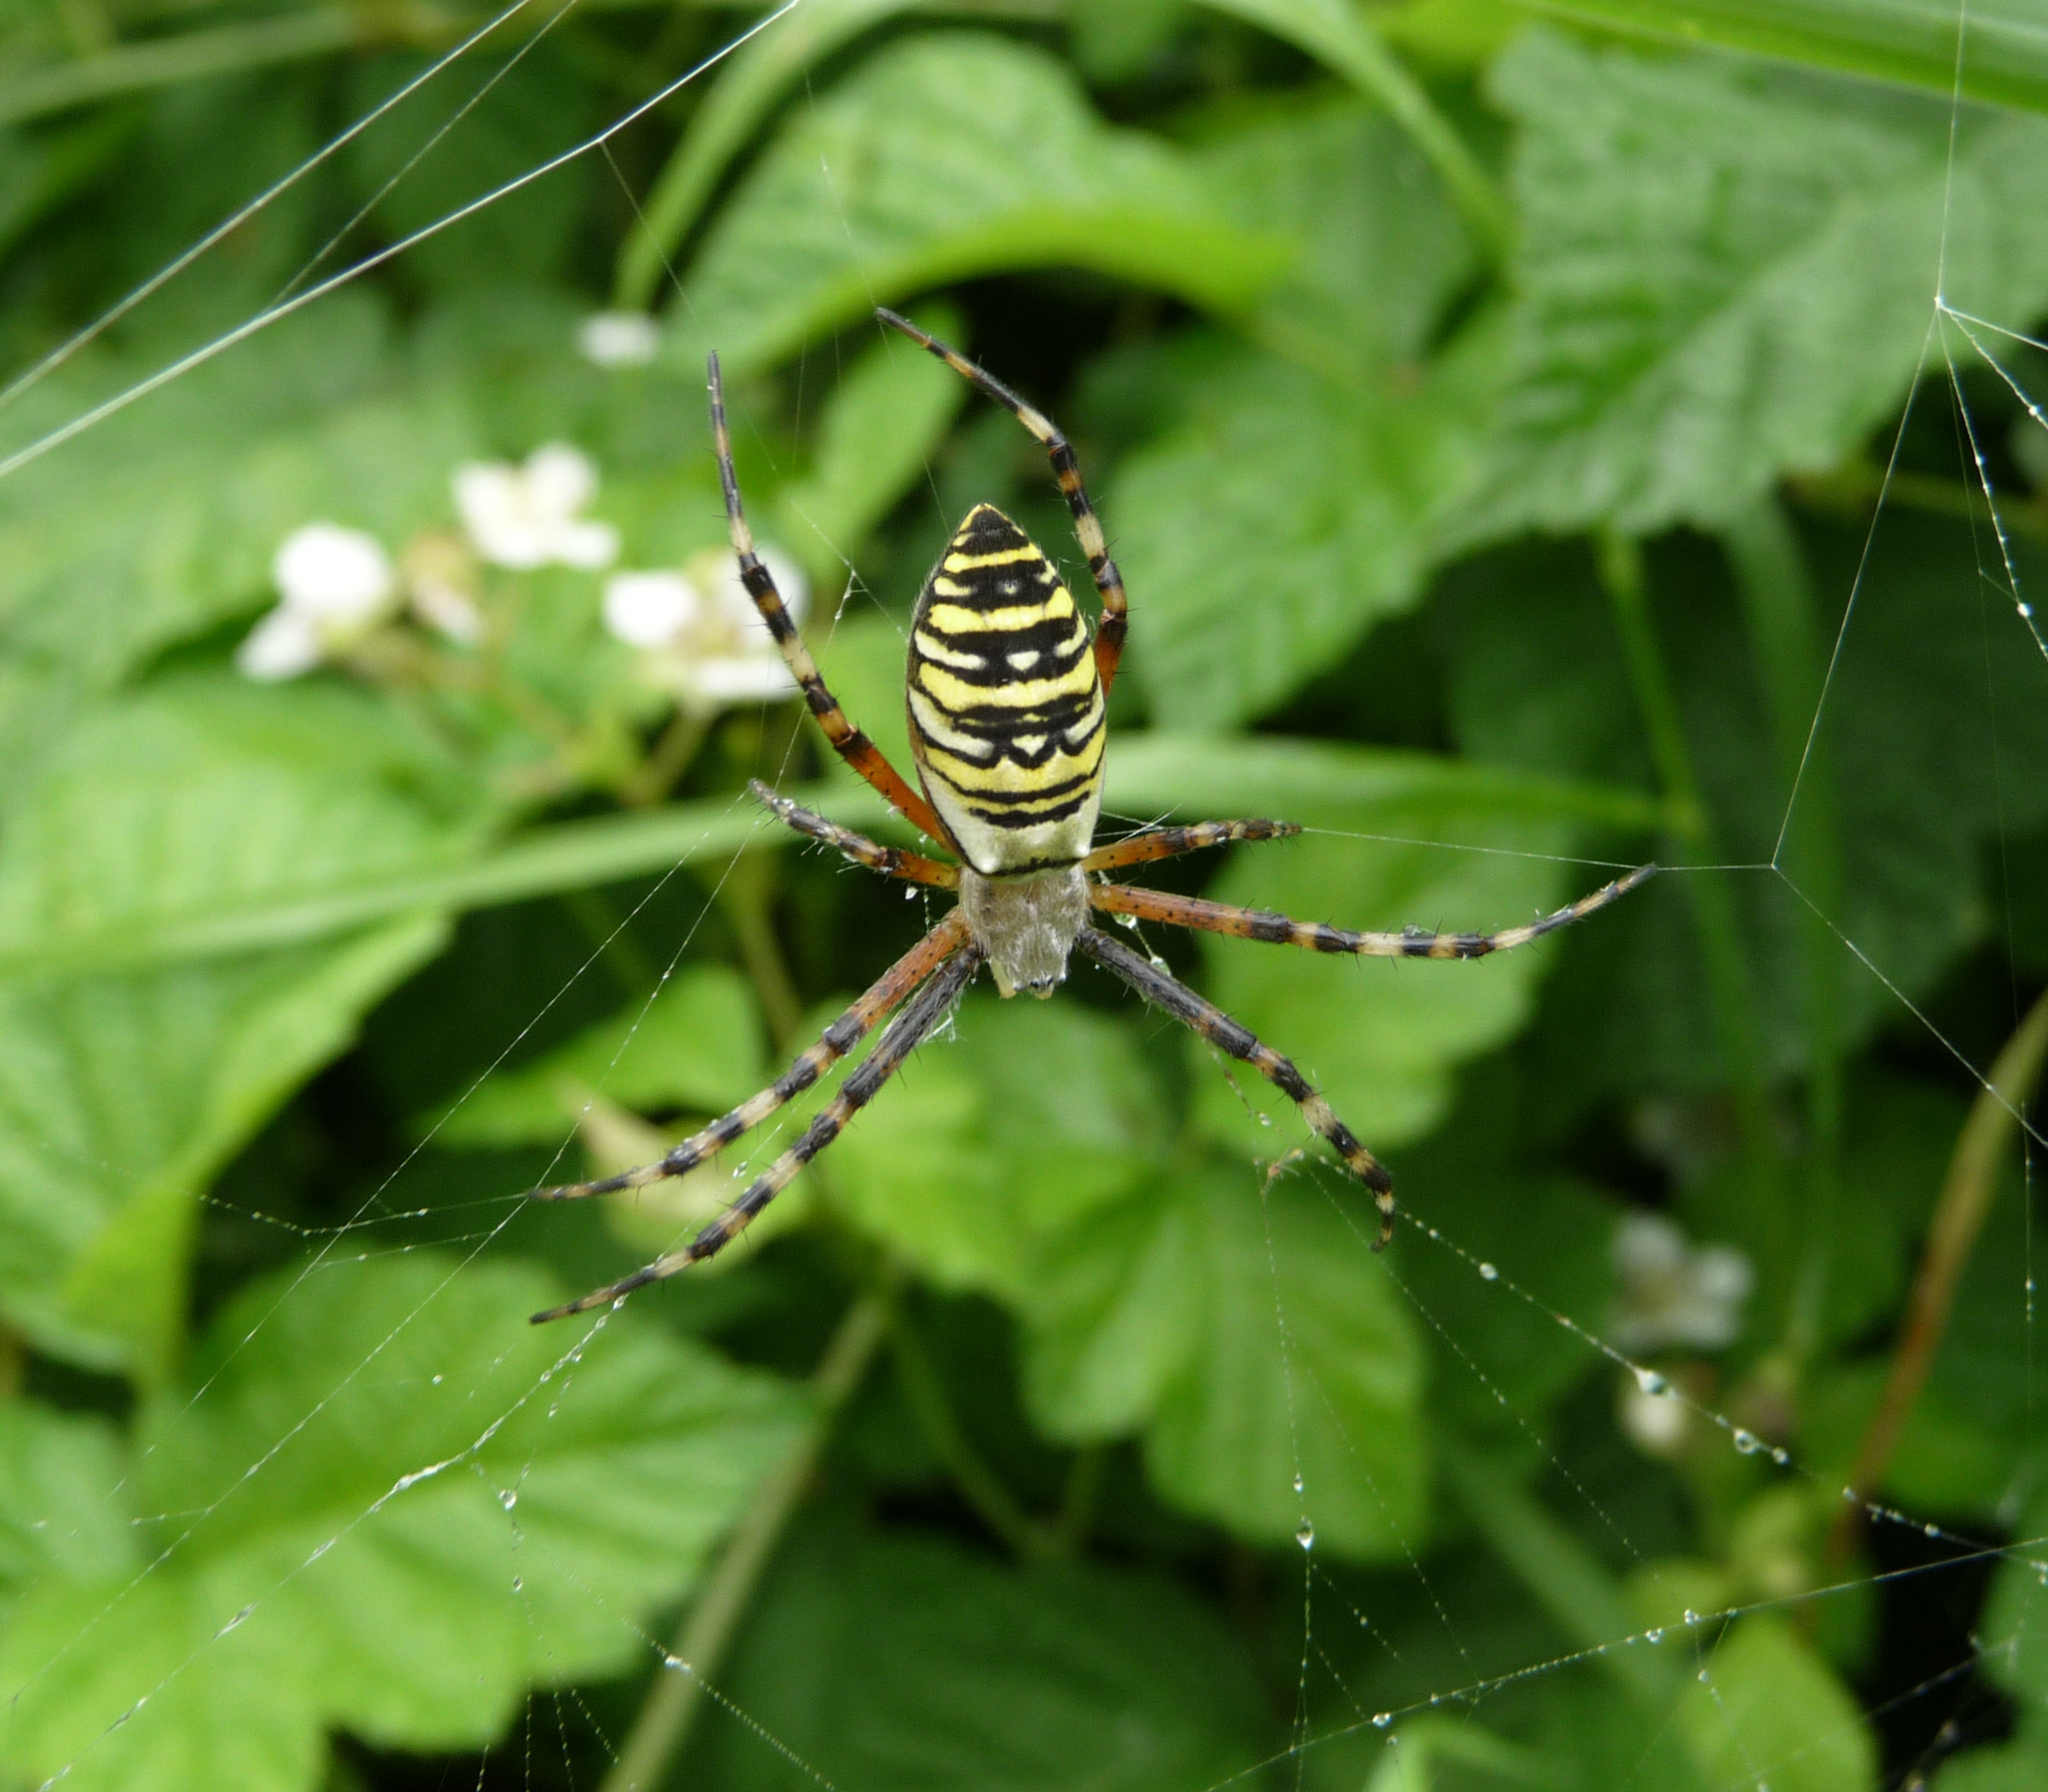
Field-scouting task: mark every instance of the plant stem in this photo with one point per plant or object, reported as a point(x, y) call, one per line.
point(656, 776)
point(665, 1719)
point(1777, 603)
point(746, 892)
point(1959, 1215)
point(1084, 1489)
point(979, 1484)
point(1720, 934)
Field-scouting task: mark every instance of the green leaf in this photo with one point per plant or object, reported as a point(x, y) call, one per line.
point(55, 1519)
point(1027, 1122)
point(945, 157)
point(1475, 1757)
point(2002, 57)
point(1724, 277)
point(1381, 1038)
point(1319, 499)
point(1772, 1710)
point(1378, 252)
point(1253, 1334)
point(879, 429)
point(341, 1552)
point(121, 1095)
point(696, 1046)
point(208, 791)
point(884, 1664)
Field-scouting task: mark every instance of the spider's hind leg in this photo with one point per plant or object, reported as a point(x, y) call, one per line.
point(920, 1015)
point(1165, 992)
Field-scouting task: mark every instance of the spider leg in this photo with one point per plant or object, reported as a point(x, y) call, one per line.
point(1087, 525)
point(1163, 991)
point(890, 861)
point(898, 1040)
point(840, 1038)
point(1217, 917)
point(847, 741)
point(1171, 842)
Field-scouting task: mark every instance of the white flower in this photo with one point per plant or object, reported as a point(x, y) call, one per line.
point(703, 636)
point(526, 516)
point(282, 645)
point(1655, 1418)
point(650, 609)
point(335, 575)
point(333, 585)
point(618, 338)
point(1672, 1293)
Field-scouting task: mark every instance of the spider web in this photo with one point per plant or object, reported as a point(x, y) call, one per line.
point(1326, 1715)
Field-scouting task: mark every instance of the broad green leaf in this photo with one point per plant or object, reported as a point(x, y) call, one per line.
point(1474, 1756)
point(1343, 38)
point(2002, 57)
point(392, 1506)
point(1770, 1710)
point(55, 1518)
point(1024, 1123)
point(121, 1095)
point(696, 1046)
point(1724, 277)
point(884, 1664)
point(1381, 1038)
point(1379, 254)
point(1266, 532)
point(2017, 1766)
point(1250, 1330)
point(879, 431)
point(213, 471)
point(754, 78)
point(208, 791)
point(944, 158)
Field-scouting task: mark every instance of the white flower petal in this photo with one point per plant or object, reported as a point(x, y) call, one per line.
point(330, 574)
point(618, 339)
point(560, 481)
point(650, 609)
point(490, 497)
point(588, 545)
point(282, 645)
point(749, 678)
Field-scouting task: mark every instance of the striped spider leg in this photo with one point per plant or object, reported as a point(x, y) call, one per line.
point(931, 976)
point(1087, 525)
point(1158, 988)
point(846, 740)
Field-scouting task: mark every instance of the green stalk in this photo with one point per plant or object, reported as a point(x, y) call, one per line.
point(1777, 604)
point(983, 1489)
point(1729, 989)
point(665, 1719)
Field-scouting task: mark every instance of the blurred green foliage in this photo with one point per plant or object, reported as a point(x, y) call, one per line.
point(1532, 447)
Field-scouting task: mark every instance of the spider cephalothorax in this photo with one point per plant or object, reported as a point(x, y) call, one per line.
point(1006, 691)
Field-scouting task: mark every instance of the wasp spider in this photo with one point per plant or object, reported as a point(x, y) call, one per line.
point(1006, 689)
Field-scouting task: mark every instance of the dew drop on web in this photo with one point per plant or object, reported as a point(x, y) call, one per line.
point(1307, 1535)
point(1488, 1273)
point(1651, 1383)
point(508, 1498)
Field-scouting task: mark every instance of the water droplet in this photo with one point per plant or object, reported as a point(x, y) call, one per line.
point(508, 1498)
point(437, 1381)
point(518, 1584)
point(911, 894)
point(1653, 1637)
point(1297, 1480)
point(1651, 1383)
point(2026, 609)
point(2040, 1574)
point(619, 1303)
point(1692, 1616)
point(548, 1373)
point(1266, 1119)
point(1381, 1719)
point(1782, 1457)
point(1931, 1530)
point(1307, 1535)
point(1488, 1273)
point(1702, 1676)
point(239, 1618)
point(1746, 1441)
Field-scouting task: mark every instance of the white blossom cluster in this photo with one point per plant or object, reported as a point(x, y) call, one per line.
point(698, 633)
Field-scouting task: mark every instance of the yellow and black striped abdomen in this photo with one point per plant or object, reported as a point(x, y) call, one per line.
point(1006, 710)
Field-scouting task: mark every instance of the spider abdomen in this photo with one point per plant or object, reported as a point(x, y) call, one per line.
point(1005, 706)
